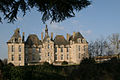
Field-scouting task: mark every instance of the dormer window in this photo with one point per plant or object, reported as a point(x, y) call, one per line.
point(79, 40)
point(12, 40)
point(20, 40)
point(48, 41)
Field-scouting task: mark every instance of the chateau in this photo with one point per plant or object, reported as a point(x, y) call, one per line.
point(34, 51)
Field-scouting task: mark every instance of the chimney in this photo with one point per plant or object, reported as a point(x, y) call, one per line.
point(73, 34)
point(23, 36)
point(51, 35)
point(42, 36)
point(68, 36)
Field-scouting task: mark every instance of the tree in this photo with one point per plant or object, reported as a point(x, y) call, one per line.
point(91, 49)
point(55, 10)
point(115, 42)
point(5, 61)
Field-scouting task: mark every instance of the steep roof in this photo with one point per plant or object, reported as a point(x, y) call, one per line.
point(77, 35)
point(33, 40)
point(15, 36)
point(60, 40)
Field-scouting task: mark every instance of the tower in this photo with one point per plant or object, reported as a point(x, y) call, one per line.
point(16, 53)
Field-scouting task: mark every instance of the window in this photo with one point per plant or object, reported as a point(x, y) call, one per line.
point(79, 40)
point(39, 50)
point(55, 56)
point(33, 58)
point(48, 41)
point(19, 57)
point(67, 56)
point(48, 46)
point(61, 56)
point(79, 48)
point(19, 48)
point(79, 55)
point(48, 54)
point(84, 48)
point(55, 49)
point(61, 49)
point(12, 48)
point(40, 57)
point(12, 58)
point(67, 49)
point(33, 50)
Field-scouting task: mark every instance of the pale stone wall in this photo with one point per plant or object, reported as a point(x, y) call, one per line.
point(16, 54)
point(73, 56)
point(77, 51)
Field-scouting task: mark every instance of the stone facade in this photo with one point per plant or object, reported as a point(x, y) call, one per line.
point(34, 51)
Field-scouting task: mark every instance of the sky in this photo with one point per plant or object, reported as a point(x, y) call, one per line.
point(101, 18)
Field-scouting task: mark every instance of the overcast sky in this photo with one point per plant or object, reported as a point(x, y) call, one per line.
point(102, 18)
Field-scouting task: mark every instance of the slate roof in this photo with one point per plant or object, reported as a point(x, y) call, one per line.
point(33, 40)
point(15, 36)
point(77, 35)
point(60, 40)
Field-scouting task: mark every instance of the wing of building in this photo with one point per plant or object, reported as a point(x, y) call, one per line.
point(34, 51)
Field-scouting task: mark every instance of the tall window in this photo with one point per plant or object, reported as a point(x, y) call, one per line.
point(40, 57)
point(55, 56)
point(61, 56)
point(67, 49)
point(48, 46)
point(12, 48)
point(61, 49)
point(79, 48)
point(19, 57)
point(67, 56)
point(39, 50)
point(48, 54)
point(84, 48)
point(55, 49)
point(12, 57)
point(19, 48)
point(79, 55)
point(33, 50)
point(33, 57)
point(79, 40)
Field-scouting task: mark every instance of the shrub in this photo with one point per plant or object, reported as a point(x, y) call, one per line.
point(64, 63)
point(46, 64)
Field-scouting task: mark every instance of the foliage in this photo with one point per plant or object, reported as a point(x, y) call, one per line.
point(46, 64)
point(64, 63)
point(87, 70)
point(88, 61)
point(55, 10)
point(1, 64)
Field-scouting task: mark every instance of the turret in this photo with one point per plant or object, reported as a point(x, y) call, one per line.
point(46, 31)
point(51, 35)
point(42, 36)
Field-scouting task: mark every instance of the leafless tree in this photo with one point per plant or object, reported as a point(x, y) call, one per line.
point(115, 42)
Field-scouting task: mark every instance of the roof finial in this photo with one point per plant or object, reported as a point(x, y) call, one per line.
point(46, 30)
